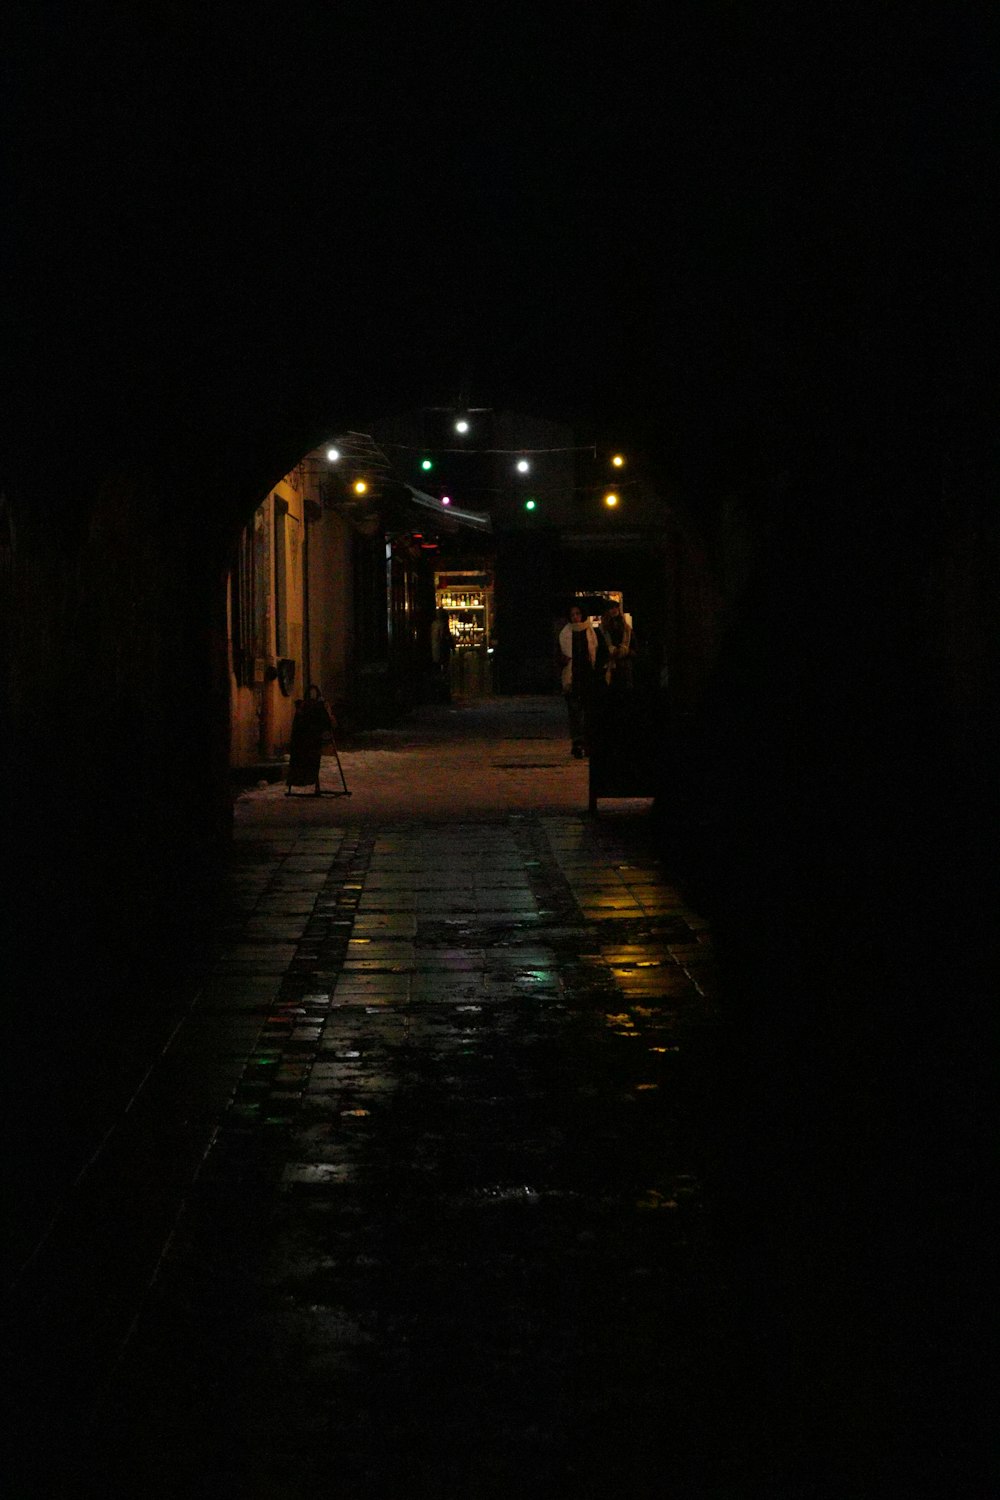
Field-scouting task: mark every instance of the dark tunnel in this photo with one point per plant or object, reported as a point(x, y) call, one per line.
point(757, 265)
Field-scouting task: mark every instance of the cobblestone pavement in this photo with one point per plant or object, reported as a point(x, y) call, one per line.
point(445, 1175)
point(479, 758)
point(448, 1237)
point(436, 1147)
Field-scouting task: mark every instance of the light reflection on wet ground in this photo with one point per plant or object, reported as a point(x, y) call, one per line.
point(450, 1232)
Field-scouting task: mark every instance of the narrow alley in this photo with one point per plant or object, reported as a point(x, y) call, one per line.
point(585, 1084)
point(443, 1087)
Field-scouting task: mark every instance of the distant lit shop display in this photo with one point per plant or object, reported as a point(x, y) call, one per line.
point(593, 602)
point(468, 599)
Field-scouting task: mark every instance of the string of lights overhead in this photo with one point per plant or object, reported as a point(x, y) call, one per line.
point(509, 452)
point(362, 453)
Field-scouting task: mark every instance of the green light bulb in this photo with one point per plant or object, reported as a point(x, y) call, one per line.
point(529, 504)
point(426, 464)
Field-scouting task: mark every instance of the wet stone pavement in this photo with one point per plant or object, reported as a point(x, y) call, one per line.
point(449, 1237)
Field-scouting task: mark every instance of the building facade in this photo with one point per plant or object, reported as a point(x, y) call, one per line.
point(332, 584)
point(336, 578)
point(288, 612)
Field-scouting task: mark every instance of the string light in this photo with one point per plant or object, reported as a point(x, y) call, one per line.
point(590, 448)
point(522, 463)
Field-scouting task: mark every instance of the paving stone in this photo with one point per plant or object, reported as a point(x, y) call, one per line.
point(384, 923)
point(364, 983)
point(451, 1219)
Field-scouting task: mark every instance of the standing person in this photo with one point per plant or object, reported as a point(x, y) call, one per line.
point(312, 721)
point(442, 645)
point(578, 645)
point(616, 637)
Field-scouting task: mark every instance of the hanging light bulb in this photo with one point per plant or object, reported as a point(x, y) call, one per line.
point(332, 455)
point(611, 499)
point(445, 499)
point(462, 425)
point(360, 487)
point(618, 461)
point(523, 466)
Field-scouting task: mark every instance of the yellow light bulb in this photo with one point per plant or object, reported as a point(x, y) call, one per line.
point(618, 461)
point(360, 487)
point(611, 500)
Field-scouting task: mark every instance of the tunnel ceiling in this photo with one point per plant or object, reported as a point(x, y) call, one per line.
point(696, 233)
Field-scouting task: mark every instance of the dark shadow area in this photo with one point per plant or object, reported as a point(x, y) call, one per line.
point(827, 809)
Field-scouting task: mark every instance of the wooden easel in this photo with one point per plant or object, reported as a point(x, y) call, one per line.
point(343, 779)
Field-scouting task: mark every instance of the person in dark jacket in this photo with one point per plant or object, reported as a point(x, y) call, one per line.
point(617, 647)
point(442, 645)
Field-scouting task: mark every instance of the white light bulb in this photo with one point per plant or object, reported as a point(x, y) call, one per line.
point(461, 425)
point(523, 466)
point(333, 454)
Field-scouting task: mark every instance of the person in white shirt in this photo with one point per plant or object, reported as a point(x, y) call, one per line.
point(578, 646)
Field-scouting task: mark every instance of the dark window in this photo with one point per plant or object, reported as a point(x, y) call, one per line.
point(280, 577)
point(370, 598)
point(249, 603)
point(243, 610)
